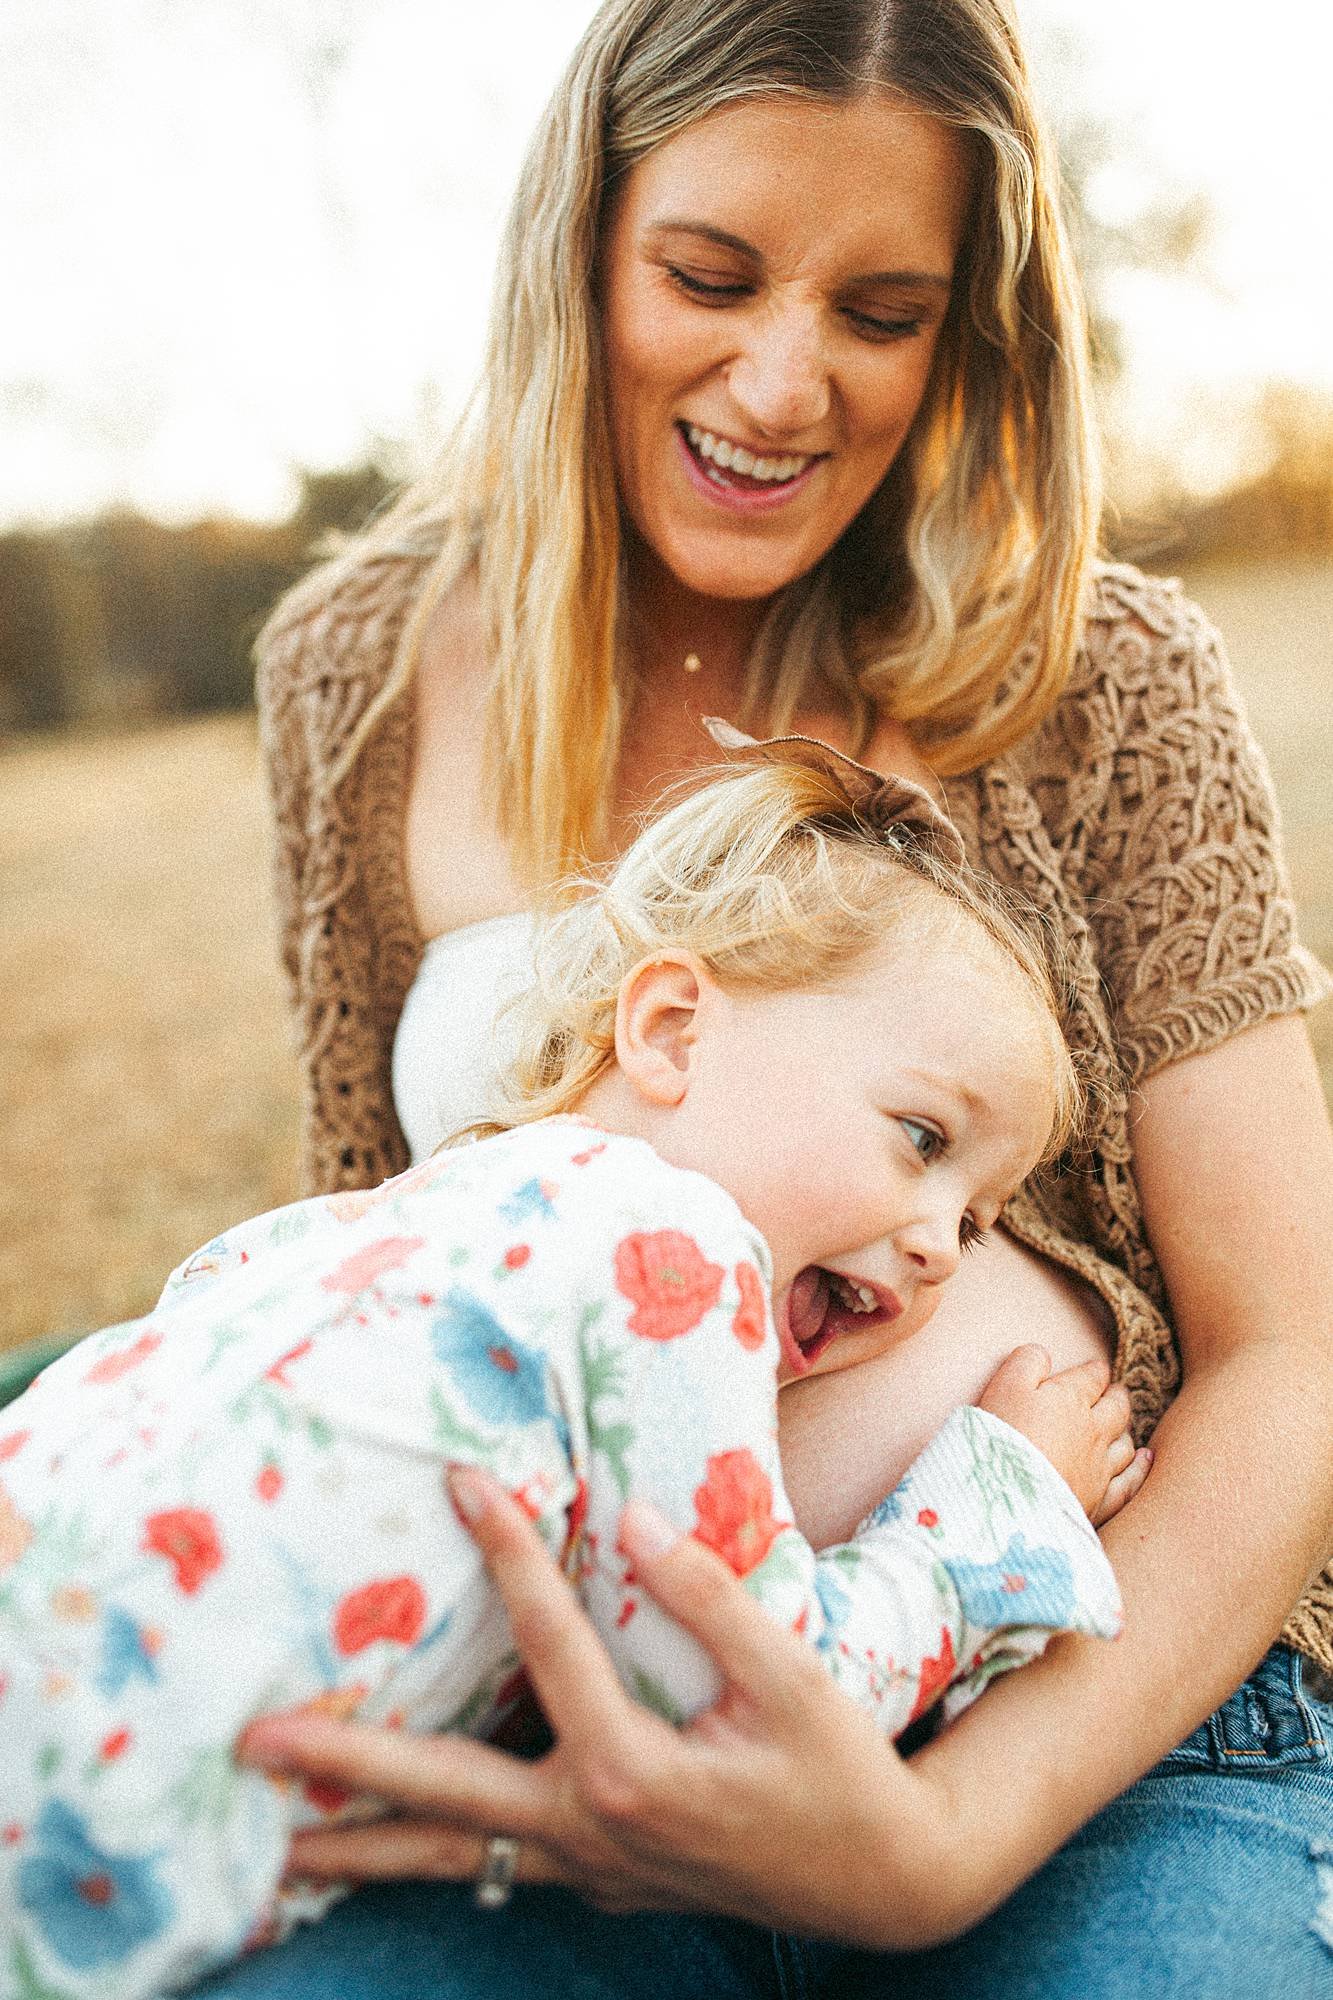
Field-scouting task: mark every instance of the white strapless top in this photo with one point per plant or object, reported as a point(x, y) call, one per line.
point(452, 1039)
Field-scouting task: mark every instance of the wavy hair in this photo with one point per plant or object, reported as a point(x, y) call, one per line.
point(952, 603)
point(774, 879)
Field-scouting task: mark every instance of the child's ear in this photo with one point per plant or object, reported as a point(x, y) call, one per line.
point(657, 1023)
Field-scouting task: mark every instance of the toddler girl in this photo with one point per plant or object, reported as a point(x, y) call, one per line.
point(777, 1073)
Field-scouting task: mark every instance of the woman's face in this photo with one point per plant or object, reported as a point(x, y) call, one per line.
point(773, 283)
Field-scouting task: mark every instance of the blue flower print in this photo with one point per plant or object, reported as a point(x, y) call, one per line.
point(1027, 1586)
point(125, 1654)
point(529, 1200)
point(503, 1381)
point(835, 1605)
point(92, 1908)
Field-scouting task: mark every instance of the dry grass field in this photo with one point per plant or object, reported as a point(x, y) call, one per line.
point(147, 1094)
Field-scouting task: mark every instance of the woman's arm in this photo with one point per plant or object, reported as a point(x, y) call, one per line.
point(1235, 1162)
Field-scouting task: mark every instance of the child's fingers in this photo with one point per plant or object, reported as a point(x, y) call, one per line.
point(1090, 1378)
point(1111, 1410)
point(1123, 1487)
point(1120, 1454)
point(1025, 1369)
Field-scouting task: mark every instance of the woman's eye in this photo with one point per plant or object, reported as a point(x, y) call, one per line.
point(928, 1140)
point(875, 327)
point(718, 289)
point(970, 1233)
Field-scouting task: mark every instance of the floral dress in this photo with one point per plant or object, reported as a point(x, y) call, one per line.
point(237, 1505)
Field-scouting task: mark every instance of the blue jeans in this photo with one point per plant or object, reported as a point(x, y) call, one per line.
point(1212, 1877)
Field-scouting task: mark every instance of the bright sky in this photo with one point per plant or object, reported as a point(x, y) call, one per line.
point(224, 258)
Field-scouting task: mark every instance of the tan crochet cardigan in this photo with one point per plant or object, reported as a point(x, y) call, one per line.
point(1139, 818)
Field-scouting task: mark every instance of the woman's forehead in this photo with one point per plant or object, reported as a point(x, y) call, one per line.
point(881, 178)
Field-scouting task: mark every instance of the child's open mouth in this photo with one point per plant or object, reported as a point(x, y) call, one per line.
point(821, 1305)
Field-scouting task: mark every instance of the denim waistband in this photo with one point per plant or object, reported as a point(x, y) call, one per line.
point(1279, 1716)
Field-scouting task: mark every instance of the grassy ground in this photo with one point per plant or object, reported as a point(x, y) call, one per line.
point(147, 1095)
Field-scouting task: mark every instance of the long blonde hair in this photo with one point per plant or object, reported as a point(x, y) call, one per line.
point(953, 602)
point(774, 879)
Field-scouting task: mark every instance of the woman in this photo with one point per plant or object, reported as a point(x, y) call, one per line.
point(784, 417)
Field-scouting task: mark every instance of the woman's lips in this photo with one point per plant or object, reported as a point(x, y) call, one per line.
point(812, 1315)
point(728, 492)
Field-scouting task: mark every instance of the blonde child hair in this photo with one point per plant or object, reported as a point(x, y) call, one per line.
point(775, 874)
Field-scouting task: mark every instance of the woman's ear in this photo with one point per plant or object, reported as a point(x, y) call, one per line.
point(657, 1025)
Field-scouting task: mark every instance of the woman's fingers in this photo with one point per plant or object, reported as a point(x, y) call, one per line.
point(753, 1654)
point(567, 1664)
point(395, 1850)
point(452, 1776)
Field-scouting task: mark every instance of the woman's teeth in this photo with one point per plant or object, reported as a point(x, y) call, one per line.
point(735, 458)
point(856, 1297)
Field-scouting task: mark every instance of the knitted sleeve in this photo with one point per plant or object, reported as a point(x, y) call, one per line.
point(285, 753)
point(1186, 889)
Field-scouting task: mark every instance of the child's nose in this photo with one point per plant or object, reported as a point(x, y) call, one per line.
point(931, 1245)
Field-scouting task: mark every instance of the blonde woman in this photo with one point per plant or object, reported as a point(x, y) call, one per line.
point(784, 417)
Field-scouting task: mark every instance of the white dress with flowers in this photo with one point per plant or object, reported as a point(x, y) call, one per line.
point(236, 1505)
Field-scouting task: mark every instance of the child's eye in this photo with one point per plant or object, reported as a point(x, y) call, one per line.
point(970, 1233)
point(928, 1140)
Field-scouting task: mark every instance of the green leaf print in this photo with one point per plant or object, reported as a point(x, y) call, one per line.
point(28, 1983)
point(205, 1792)
point(1000, 1472)
point(454, 1438)
point(604, 1381)
point(650, 1693)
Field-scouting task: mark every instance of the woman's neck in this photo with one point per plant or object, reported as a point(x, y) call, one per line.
point(673, 632)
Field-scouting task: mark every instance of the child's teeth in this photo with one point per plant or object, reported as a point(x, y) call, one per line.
point(857, 1298)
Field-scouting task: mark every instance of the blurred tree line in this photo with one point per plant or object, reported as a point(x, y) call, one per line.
point(119, 618)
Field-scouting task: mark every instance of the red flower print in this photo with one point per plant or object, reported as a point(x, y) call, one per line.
point(188, 1539)
point(11, 1835)
point(589, 1153)
point(12, 1445)
point(928, 1518)
point(115, 1745)
point(748, 1325)
point(358, 1272)
point(112, 1366)
point(935, 1674)
point(278, 1372)
point(392, 1608)
point(734, 1510)
point(668, 1280)
point(517, 1256)
point(268, 1485)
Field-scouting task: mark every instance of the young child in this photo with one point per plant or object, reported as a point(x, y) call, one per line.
point(810, 1058)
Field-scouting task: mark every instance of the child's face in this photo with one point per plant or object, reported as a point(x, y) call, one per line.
point(870, 1131)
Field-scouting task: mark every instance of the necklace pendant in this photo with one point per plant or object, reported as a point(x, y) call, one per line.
point(693, 664)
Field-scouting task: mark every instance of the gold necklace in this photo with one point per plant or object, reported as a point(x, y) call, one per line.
point(693, 664)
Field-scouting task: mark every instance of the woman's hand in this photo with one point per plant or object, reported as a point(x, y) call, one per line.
point(783, 1804)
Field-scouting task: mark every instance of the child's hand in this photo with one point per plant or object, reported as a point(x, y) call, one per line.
point(1079, 1419)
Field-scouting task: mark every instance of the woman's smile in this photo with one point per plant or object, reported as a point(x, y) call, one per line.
point(774, 280)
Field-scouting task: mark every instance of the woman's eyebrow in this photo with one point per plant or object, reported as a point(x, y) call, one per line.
point(682, 225)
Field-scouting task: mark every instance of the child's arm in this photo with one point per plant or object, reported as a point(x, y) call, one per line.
point(981, 1554)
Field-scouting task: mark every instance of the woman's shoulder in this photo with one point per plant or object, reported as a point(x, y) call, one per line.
point(343, 620)
point(1148, 656)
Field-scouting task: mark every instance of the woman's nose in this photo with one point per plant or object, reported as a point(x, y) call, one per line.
point(780, 379)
